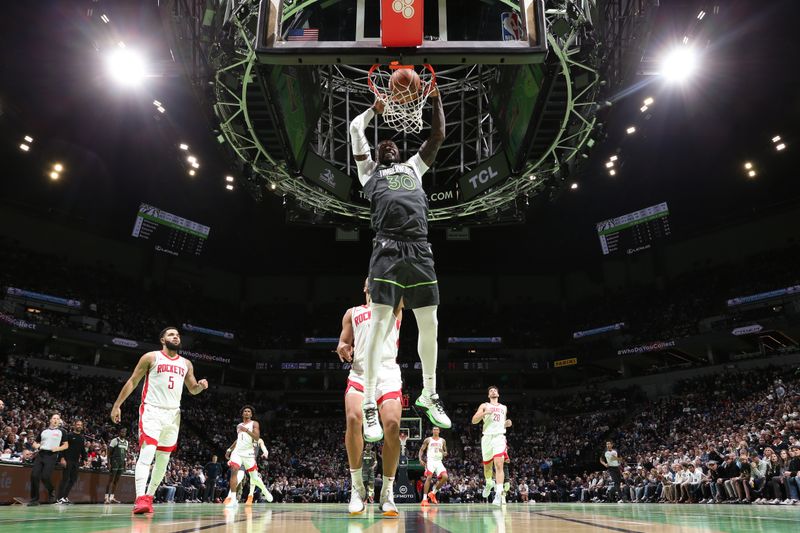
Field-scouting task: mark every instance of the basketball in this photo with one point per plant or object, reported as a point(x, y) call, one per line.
point(405, 85)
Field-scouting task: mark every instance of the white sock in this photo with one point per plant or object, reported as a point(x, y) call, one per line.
point(232, 495)
point(356, 479)
point(381, 324)
point(159, 469)
point(427, 345)
point(142, 470)
point(425, 497)
point(388, 486)
point(433, 490)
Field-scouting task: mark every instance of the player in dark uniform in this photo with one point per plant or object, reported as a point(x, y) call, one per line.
point(117, 455)
point(401, 266)
point(369, 464)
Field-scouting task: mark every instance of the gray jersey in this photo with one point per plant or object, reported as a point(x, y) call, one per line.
point(398, 203)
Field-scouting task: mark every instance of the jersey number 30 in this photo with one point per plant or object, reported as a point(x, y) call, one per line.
point(401, 180)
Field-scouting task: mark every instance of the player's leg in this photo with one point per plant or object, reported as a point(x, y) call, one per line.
point(391, 411)
point(499, 479)
point(382, 321)
point(426, 489)
point(506, 477)
point(428, 348)
point(114, 481)
point(354, 443)
point(487, 454)
point(441, 478)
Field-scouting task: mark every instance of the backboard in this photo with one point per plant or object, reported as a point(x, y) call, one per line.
point(318, 32)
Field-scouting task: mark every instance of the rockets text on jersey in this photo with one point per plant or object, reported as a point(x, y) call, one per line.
point(435, 449)
point(494, 419)
point(163, 384)
point(245, 445)
point(361, 318)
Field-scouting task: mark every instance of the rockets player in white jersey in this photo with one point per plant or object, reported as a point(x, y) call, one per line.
point(355, 328)
point(242, 457)
point(431, 454)
point(165, 373)
point(493, 443)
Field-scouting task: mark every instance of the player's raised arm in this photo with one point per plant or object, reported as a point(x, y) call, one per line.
point(478, 416)
point(345, 348)
point(141, 369)
point(358, 140)
point(430, 147)
point(192, 385)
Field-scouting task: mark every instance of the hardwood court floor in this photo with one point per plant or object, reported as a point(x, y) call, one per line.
point(455, 518)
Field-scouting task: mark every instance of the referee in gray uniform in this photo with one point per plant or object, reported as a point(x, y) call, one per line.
point(50, 442)
point(611, 462)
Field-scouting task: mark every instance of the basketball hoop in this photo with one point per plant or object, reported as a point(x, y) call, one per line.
point(403, 440)
point(402, 106)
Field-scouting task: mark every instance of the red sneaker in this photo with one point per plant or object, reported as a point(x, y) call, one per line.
point(432, 498)
point(424, 503)
point(143, 504)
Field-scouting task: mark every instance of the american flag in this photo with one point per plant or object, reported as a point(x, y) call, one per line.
point(304, 34)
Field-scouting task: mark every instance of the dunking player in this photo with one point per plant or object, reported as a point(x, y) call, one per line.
point(356, 324)
point(242, 453)
point(436, 449)
point(493, 443)
point(165, 373)
point(401, 266)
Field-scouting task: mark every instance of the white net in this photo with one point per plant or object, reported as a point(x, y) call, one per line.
point(402, 106)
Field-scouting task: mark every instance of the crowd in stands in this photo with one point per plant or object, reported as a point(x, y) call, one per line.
point(726, 437)
point(117, 305)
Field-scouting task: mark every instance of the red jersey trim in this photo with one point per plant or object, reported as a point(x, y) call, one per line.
point(177, 356)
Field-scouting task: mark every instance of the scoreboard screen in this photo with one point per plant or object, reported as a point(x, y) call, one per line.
point(169, 233)
point(635, 231)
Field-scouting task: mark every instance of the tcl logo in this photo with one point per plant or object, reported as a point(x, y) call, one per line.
point(482, 177)
point(404, 7)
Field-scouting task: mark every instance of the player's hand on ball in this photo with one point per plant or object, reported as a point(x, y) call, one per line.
point(345, 352)
point(116, 415)
point(203, 383)
point(378, 106)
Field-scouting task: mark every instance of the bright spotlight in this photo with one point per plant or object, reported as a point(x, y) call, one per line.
point(612, 158)
point(191, 159)
point(679, 64)
point(573, 186)
point(183, 146)
point(192, 172)
point(643, 108)
point(648, 101)
point(229, 179)
point(780, 147)
point(24, 147)
point(273, 186)
point(126, 67)
point(752, 173)
point(58, 167)
point(195, 165)
point(774, 139)
point(631, 130)
point(609, 164)
point(54, 175)
point(701, 15)
point(612, 172)
point(229, 187)
point(748, 165)
point(29, 139)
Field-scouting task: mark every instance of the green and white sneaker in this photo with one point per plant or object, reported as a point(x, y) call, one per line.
point(487, 489)
point(373, 432)
point(434, 409)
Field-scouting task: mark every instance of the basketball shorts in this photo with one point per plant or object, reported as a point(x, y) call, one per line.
point(402, 269)
point(435, 468)
point(159, 426)
point(493, 446)
point(117, 467)
point(388, 387)
point(246, 461)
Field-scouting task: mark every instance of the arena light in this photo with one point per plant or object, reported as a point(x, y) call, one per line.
point(24, 147)
point(156, 103)
point(183, 146)
point(532, 177)
point(229, 179)
point(273, 186)
point(195, 165)
point(648, 101)
point(104, 18)
point(780, 147)
point(685, 39)
point(748, 165)
point(58, 167)
point(29, 139)
point(701, 15)
point(54, 175)
point(752, 173)
point(612, 158)
point(126, 67)
point(643, 108)
point(609, 164)
point(774, 139)
point(574, 186)
point(612, 172)
point(679, 64)
point(229, 187)
point(631, 130)
point(191, 159)
point(192, 172)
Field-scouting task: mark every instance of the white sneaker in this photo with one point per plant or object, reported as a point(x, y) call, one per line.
point(498, 499)
point(357, 505)
point(231, 503)
point(388, 508)
point(373, 432)
point(503, 498)
point(268, 496)
point(487, 489)
point(434, 409)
